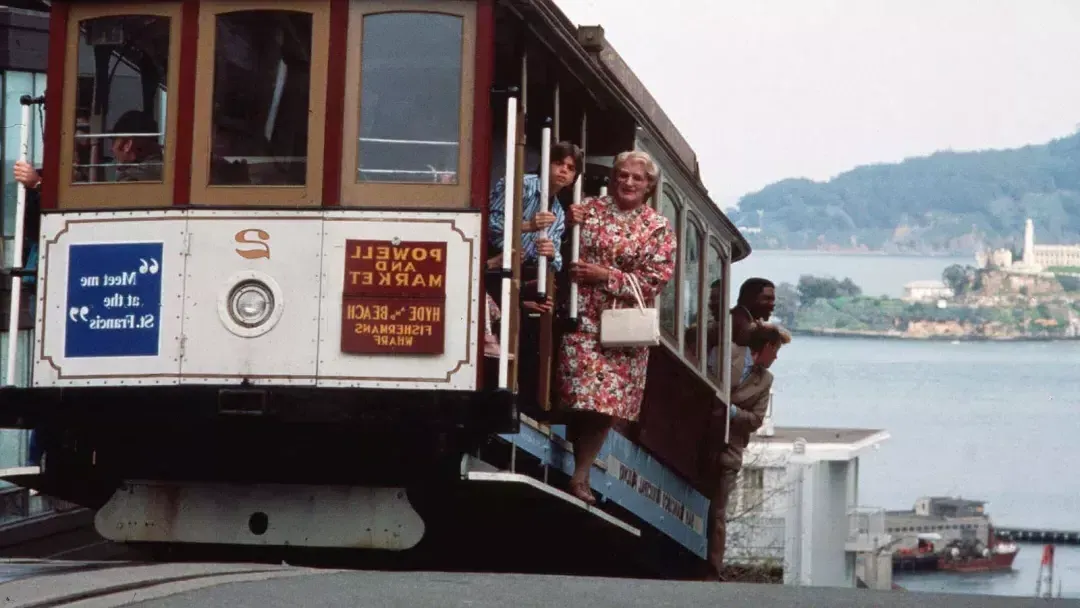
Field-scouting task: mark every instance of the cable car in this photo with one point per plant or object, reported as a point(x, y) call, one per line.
point(261, 279)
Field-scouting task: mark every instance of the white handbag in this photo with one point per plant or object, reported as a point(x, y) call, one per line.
point(630, 327)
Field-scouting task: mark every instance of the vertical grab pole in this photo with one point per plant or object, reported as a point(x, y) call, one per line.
point(16, 260)
point(575, 245)
point(509, 213)
point(545, 194)
point(575, 230)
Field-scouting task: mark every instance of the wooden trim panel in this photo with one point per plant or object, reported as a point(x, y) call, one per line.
point(335, 102)
point(189, 45)
point(54, 109)
point(310, 193)
point(408, 194)
point(129, 194)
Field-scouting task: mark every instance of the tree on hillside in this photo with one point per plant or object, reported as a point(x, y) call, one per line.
point(825, 288)
point(958, 278)
point(787, 304)
point(935, 202)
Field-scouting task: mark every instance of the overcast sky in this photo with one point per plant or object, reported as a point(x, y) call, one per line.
point(769, 89)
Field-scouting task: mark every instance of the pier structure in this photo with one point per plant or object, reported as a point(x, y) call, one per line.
point(1038, 535)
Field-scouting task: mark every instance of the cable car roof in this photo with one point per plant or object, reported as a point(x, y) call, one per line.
point(592, 59)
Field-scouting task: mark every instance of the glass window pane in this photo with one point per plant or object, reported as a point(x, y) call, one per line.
point(715, 274)
point(123, 70)
point(691, 287)
point(410, 98)
point(669, 209)
point(262, 84)
point(16, 84)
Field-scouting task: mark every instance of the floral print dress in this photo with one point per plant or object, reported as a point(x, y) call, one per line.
point(611, 381)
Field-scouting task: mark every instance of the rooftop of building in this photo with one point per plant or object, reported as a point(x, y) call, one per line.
point(822, 443)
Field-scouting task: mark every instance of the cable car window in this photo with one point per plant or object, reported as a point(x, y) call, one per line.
point(410, 98)
point(120, 109)
point(716, 349)
point(262, 78)
point(669, 208)
point(691, 280)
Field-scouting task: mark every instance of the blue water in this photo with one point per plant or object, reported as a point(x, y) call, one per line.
point(996, 422)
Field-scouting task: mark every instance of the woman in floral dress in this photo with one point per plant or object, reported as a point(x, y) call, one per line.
point(620, 236)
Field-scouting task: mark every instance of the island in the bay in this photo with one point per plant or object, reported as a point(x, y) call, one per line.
point(1036, 296)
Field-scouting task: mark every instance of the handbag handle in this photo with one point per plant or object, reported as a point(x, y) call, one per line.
point(635, 289)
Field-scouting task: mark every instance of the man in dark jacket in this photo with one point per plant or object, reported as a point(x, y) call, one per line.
point(749, 404)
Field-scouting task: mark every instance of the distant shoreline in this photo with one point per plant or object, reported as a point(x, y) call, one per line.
point(877, 253)
point(872, 335)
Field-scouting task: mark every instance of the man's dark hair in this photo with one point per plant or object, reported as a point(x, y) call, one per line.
point(751, 288)
point(135, 121)
point(762, 335)
point(564, 149)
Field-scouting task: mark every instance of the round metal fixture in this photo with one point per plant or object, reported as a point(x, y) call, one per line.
point(251, 303)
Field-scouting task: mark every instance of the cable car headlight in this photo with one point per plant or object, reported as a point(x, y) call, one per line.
point(251, 303)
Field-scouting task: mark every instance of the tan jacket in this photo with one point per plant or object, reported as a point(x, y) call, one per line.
point(752, 399)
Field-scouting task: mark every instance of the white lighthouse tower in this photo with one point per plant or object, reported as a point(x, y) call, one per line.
point(1028, 259)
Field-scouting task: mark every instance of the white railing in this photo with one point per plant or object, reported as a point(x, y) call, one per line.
point(866, 529)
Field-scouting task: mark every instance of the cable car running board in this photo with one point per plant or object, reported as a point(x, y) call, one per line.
point(261, 514)
point(470, 473)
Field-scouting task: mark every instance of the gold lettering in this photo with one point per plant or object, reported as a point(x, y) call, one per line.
point(436, 254)
point(401, 279)
point(261, 236)
point(383, 253)
point(402, 253)
point(381, 266)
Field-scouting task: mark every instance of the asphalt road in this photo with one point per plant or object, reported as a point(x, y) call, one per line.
point(107, 584)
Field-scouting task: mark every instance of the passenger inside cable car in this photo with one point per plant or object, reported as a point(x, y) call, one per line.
point(135, 148)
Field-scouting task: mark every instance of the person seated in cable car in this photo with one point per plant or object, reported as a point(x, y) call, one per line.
point(749, 404)
point(567, 160)
point(624, 242)
point(138, 157)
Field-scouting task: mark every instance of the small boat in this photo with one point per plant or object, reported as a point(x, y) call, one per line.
point(951, 534)
point(924, 556)
point(973, 556)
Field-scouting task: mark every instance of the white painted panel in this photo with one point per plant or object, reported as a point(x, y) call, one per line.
point(279, 249)
point(264, 514)
point(110, 298)
point(455, 368)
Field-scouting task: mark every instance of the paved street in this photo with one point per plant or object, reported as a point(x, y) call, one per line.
point(98, 584)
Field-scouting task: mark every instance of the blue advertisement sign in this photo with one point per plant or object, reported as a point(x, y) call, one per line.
point(113, 300)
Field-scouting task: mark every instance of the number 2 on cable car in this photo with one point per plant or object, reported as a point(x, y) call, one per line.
point(261, 236)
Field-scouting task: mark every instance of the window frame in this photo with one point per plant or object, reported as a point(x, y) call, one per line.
point(694, 222)
point(723, 349)
point(405, 194)
point(106, 195)
point(676, 277)
point(308, 194)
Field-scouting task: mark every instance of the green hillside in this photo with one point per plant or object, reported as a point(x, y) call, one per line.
point(949, 201)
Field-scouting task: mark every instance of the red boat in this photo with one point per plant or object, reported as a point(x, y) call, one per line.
point(972, 556)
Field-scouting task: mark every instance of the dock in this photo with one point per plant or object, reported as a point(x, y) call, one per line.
point(1038, 535)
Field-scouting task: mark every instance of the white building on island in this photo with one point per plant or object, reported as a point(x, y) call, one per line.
point(1035, 258)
